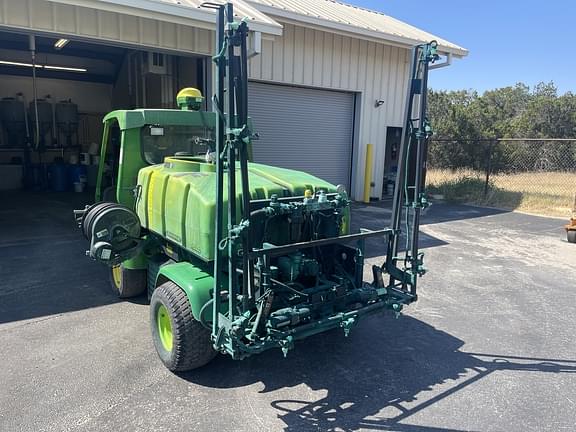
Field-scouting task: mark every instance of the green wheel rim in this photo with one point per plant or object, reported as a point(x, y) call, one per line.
point(164, 327)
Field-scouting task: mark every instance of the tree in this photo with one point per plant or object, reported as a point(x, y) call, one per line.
point(465, 122)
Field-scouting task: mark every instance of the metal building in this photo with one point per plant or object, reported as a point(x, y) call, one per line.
point(332, 75)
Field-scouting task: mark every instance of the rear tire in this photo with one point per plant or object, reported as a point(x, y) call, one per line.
point(128, 283)
point(571, 236)
point(182, 342)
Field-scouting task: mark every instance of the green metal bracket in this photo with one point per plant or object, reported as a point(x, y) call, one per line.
point(347, 325)
point(286, 345)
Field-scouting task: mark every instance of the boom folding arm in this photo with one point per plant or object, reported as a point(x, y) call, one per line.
point(409, 195)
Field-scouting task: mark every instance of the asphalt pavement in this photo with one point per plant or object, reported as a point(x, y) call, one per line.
point(489, 346)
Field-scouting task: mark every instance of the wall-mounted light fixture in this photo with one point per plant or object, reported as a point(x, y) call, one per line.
point(379, 103)
point(48, 67)
point(60, 43)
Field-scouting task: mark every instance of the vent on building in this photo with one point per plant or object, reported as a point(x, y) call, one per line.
point(155, 63)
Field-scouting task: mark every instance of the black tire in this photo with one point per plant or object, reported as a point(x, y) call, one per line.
point(191, 345)
point(128, 283)
point(571, 236)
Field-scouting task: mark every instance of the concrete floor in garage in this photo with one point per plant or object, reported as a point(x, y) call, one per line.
point(490, 346)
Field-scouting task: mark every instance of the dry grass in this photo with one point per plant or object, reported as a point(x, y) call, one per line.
point(546, 193)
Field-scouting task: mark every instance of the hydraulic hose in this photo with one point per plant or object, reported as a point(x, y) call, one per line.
point(201, 319)
point(258, 225)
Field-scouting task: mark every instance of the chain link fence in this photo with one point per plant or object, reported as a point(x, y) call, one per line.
point(533, 175)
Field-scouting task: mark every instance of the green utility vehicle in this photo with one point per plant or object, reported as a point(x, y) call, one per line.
point(239, 257)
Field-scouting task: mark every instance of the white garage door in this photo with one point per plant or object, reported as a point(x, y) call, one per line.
point(304, 129)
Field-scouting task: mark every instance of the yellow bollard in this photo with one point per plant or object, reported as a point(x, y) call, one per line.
point(368, 172)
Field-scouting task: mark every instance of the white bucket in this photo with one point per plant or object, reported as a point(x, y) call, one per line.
point(95, 160)
point(78, 187)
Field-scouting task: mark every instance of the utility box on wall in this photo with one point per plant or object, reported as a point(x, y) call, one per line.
point(155, 63)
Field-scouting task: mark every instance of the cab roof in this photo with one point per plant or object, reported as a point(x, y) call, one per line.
point(135, 119)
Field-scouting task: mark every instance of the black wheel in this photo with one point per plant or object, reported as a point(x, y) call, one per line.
point(90, 216)
point(128, 282)
point(181, 342)
point(571, 236)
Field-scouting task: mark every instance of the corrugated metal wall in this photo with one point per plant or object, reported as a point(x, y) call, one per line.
point(86, 23)
point(314, 58)
point(302, 56)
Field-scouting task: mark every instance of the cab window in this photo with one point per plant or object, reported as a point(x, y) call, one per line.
point(161, 141)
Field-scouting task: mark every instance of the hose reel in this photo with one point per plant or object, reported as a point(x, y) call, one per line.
point(113, 231)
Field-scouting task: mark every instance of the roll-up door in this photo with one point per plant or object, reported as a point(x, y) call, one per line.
point(304, 129)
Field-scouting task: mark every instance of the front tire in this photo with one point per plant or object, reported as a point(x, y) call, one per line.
point(128, 283)
point(571, 236)
point(182, 342)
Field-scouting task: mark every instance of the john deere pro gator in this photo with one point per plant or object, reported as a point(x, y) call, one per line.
point(239, 257)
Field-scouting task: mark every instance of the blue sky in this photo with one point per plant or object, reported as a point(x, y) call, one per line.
point(508, 40)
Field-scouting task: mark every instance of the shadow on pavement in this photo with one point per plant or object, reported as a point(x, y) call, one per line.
point(437, 212)
point(386, 372)
point(443, 212)
point(43, 267)
point(377, 215)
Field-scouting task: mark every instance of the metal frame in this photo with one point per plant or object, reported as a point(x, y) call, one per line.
point(409, 194)
point(235, 258)
point(232, 141)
